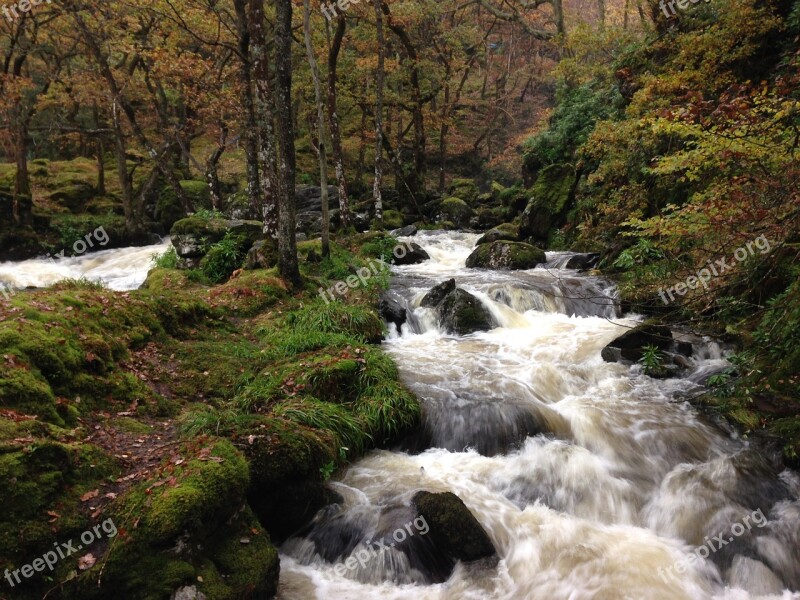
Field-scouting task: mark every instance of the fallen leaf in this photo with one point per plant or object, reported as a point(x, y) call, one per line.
point(89, 495)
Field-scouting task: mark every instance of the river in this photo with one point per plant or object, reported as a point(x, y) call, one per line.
point(591, 479)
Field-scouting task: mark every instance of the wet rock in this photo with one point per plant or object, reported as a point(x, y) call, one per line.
point(454, 530)
point(407, 231)
point(583, 262)
point(391, 310)
point(630, 345)
point(434, 297)
point(462, 313)
point(410, 254)
point(506, 255)
point(309, 198)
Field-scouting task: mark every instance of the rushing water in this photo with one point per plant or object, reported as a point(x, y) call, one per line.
point(119, 269)
point(591, 479)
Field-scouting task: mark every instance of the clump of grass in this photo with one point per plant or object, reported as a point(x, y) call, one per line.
point(167, 260)
point(326, 416)
point(338, 318)
point(80, 283)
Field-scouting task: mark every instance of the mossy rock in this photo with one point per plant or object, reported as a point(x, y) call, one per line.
point(456, 211)
point(551, 198)
point(496, 235)
point(506, 255)
point(74, 195)
point(466, 189)
point(193, 236)
point(169, 208)
point(175, 527)
point(392, 219)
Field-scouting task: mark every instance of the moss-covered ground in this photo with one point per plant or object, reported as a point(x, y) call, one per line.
point(202, 420)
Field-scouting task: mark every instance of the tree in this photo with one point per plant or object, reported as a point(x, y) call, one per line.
point(321, 134)
point(334, 49)
point(287, 242)
point(380, 75)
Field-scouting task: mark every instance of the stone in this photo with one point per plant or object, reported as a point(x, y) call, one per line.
point(453, 528)
point(438, 293)
point(506, 255)
point(462, 313)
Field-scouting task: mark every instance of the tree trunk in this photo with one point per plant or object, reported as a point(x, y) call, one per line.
point(287, 241)
point(132, 222)
point(323, 155)
point(264, 117)
point(21, 206)
point(250, 134)
point(333, 117)
point(379, 77)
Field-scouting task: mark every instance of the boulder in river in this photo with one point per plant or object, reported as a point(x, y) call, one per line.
point(406, 231)
point(409, 253)
point(434, 297)
point(582, 262)
point(462, 313)
point(631, 345)
point(454, 530)
point(506, 255)
point(391, 310)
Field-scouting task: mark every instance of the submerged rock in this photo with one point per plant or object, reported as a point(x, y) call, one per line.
point(454, 530)
point(506, 255)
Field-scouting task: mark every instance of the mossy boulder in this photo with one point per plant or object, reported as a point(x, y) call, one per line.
point(392, 219)
point(187, 525)
point(193, 236)
point(453, 528)
point(506, 255)
point(74, 195)
point(438, 293)
point(461, 313)
point(169, 208)
point(466, 189)
point(551, 198)
point(456, 211)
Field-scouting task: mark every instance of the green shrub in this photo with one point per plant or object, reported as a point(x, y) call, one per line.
point(224, 257)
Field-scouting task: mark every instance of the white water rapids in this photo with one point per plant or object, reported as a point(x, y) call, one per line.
point(620, 478)
point(119, 269)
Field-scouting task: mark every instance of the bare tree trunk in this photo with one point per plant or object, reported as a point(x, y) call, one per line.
point(211, 173)
point(323, 155)
point(333, 117)
point(264, 117)
point(287, 241)
point(379, 77)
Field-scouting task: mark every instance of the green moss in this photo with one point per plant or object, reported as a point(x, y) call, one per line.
point(506, 255)
point(169, 208)
point(466, 189)
point(456, 210)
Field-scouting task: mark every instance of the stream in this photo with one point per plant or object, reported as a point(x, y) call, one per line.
point(591, 479)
